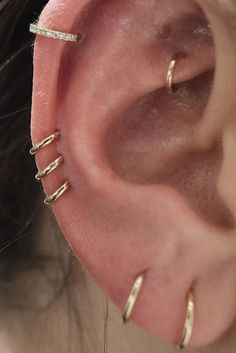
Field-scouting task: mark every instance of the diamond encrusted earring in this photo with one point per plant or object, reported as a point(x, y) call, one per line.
point(51, 33)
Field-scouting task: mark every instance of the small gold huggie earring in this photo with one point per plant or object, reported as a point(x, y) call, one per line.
point(189, 321)
point(132, 298)
point(51, 33)
point(50, 168)
point(170, 75)
point(45, 142)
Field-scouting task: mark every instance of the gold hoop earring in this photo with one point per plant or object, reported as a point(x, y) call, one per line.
point(49, 169)
point(45, 142)
point(51, 33)
point(170, 75)
point(132, 298)
point(189, 320)
point(58, 193)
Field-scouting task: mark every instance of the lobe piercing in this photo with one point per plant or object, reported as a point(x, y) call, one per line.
point(170, 75)
point(132, 298)
point(49, 169)
point(44, 142)
point(51, 33)
point(188, 326)
point(58, 193)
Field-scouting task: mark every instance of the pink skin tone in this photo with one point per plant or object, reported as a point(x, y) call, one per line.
point(118, 226)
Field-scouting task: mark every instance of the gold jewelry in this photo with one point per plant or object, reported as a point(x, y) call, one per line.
point(49, 169)
point(44, 142)
point(170, 75)
point(188, 326)
point(51, 33)
point(132, 298)
point(58, 193)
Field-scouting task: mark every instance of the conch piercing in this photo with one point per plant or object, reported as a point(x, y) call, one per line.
point(189, 320)
point(51, 33)
point(132, 298)
point(50, 168)
point(170, 75)
point(188, 326)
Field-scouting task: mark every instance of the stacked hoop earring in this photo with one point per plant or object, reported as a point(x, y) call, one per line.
point(50, 168)
point(189, 319)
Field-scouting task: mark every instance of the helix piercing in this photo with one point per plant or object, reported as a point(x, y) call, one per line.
point(44, 142)
point(170, 75)
point(49, 169)
point(51, 33)
point(189, 320)
point(132, 298)
point(58, 193)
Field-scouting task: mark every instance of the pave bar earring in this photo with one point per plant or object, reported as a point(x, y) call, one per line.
point(188, 326)
point(51, 33)
point(50, 168)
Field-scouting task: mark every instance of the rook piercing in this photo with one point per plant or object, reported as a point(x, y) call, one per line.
point(50, 33)
point(132, 298)
point(44, 142)
point(50, 168)
point(55, 196)
point(170, 75)
point(188, 326)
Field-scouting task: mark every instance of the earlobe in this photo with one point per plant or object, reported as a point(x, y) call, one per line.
point(127, 146)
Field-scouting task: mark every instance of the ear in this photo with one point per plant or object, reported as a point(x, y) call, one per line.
point(144, 193)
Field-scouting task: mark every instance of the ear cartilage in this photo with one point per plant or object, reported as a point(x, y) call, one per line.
point(189, 320)
point(49, 169)
point(58, 193)
point(45, 142)
point(170, 75)
point(132, 298)
point(51, 33)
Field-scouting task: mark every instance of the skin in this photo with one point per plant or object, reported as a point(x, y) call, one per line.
point(172, 213)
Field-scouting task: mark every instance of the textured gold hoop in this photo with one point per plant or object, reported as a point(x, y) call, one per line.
point(49, 169)
point(170, 75)
point(132, 298)
point(44, 142)
point(58, 193)
point(51, 33)
point(189, 320)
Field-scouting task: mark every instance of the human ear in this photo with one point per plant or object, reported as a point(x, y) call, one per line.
point(144, 166)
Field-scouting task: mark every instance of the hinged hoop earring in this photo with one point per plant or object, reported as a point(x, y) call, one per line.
point(170, 75)
point(132, 298)
point(189, 320)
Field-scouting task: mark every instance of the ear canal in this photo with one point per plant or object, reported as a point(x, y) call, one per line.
point(143, 196)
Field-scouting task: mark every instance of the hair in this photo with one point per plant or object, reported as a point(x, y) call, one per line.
point(21, 206)
point(22, 214)
point(19, 193)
